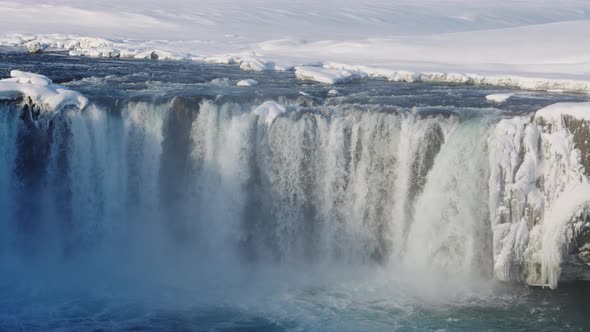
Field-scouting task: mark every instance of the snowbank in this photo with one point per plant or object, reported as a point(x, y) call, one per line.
point(41, 90)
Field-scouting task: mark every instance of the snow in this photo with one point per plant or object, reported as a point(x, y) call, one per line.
point(529, 44)
point(247, 82)
point(269, 110)
point(29, 78)
point(499, 97)
point(554, 112)
point(41, 90)
point(327, 76)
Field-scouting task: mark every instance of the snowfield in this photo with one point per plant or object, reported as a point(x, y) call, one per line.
point(530, 44)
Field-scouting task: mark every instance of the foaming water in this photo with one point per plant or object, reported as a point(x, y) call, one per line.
point(185, 205)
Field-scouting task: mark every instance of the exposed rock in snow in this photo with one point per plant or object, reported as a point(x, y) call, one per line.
point(499, 97)
point(40, 90)
point(248, 82)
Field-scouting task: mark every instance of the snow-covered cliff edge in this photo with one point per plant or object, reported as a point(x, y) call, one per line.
point(540, 195)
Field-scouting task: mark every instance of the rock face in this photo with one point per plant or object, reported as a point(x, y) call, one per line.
point(580, 129)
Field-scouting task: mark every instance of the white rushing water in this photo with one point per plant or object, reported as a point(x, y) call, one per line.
point(441, 195)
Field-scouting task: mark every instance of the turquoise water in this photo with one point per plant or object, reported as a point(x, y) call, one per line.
point(353, 305)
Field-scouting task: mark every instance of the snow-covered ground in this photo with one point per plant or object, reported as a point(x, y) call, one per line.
point(532, 44)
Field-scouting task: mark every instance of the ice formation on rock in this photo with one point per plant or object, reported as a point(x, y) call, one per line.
point(40, 90)
point(539, 192)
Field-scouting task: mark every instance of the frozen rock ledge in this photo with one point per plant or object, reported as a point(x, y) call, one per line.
point(41, 91)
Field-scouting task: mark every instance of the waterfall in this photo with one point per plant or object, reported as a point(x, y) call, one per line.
point(8, 135)
point(420, 189)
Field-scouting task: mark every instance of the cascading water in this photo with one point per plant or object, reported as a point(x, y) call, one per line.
point(352, 184)
point(348, 213)
point(316, 184)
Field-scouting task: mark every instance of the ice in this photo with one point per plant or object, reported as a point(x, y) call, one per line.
point(499, 97)
point(269, 110)
point(247, 82)
point(40, 90)
point(326, 75)
point(560, 229)
point(256, 65)
point(538, 191)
